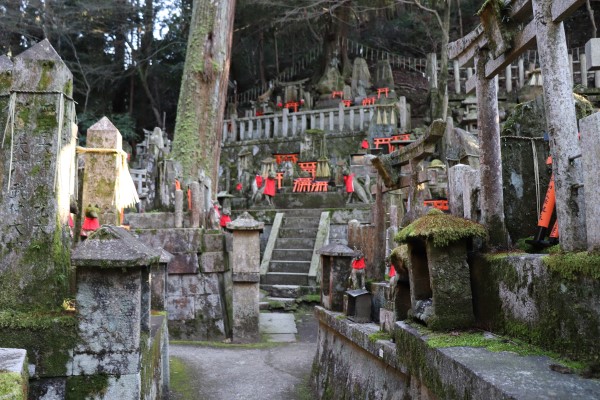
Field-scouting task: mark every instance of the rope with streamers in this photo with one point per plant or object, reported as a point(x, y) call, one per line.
point(125, 192)
point(10, 122)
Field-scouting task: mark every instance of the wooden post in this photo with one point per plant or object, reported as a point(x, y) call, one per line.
point(492, 198)
point(562, 125)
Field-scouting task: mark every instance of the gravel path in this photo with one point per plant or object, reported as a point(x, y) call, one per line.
point(271, 373)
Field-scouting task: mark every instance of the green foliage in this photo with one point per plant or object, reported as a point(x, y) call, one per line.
point(572, 266)
point(123, 122)
point(441, 228)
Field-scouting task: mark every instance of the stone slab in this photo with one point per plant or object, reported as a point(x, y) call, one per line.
point(181, 307)
point(246, 277)
point(213, 262)
point(186, 263)
point(111, 363)
point(183, 240)
point(12, 360)
point(212, 242)
point(277, 323)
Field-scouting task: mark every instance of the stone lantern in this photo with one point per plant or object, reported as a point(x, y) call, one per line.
point(335, 272)
point(245, 269)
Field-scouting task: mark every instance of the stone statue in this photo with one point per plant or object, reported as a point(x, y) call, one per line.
point(358, 270)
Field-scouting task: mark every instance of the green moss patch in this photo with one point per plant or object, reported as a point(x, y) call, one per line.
point(181, 377)
point(11, 386)
point(381, 335)
point(85, 387)
point(46, 335)
point(571, 266)
point(441, 228)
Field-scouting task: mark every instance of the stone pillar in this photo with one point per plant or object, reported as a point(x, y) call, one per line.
point(403, 118)
point(562, 125)
point(488, 121)
point(245, 270)
point(590, 152)
point(113, 304)
point(284, 122)
point(508, 76)
point(583, 70)
point(521, 73)
point(104, 142)
point(341, 117)
point(158, 281)
point(34, 177)
point(456, 77)
point(197, 206)
point(179, 208)
point(335, 272)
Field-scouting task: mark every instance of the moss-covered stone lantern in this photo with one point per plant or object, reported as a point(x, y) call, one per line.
point(439, 276)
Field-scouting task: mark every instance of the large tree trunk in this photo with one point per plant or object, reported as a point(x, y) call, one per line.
point(333, 43)
point(198, 129)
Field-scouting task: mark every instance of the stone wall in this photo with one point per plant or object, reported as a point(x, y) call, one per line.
point(198, 280)
point(557, 308)
point(354, 361)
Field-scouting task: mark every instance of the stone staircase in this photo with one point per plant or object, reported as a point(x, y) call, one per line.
point(287, 279)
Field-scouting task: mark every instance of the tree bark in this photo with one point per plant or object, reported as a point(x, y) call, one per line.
point(198, 128)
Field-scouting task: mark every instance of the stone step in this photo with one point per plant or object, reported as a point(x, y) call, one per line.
point(303, 213)
point(300, 222)
point(289, 266)
point(294, 291)
point(295, 243)
point(298, 232)
point(292, 254)
point(286, 278)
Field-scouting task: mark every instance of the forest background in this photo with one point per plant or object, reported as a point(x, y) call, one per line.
point(127, 56)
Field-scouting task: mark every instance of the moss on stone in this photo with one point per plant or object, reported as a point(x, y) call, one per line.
point(181, 378)
point(381, 335)
point(572, 266)
point(441, 228)
point(85, 387)
point(46, 74)
point(48, 336)
point(11, 386)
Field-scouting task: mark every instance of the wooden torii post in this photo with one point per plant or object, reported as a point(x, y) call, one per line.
point(540, 22)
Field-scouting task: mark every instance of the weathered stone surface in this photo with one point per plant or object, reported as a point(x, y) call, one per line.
point(330, 81)
point(34, 241)
point(13, 373)
point(590, 150)
point(213, 262)
point(192, 285)
point(384, 78)
point(212, 242)
point(112, 363)
point(109, 305)
point(361, 78)
point(377, 290)
point(159, 287)
point(181, 307)
point(174, 285)
point(153, 220)
point(113, 247)
point(186, 263)
point(48, 388)
point(245, 311)
point(173, 240)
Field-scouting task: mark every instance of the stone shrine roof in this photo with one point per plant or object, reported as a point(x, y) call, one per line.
point(113, 247)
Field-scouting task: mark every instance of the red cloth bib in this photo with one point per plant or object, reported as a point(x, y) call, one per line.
point(270, 187)
point(364, 144)
point(358, 264)
point(349, 181)
point(259, 181)
point(224, 220)
point(90, 224)
point(392, 271)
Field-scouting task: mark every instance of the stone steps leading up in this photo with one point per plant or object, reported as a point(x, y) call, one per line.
point(287, 291)
point(300, 222)
point(298, 232)
point(286, 278)
point(295, 243)
point(292, 254)
point(299, 267)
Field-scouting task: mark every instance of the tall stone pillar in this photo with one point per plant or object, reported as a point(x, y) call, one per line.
point(104, 143)
point(35, 169)
point(245, 269)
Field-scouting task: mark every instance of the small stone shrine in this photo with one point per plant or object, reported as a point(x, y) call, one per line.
point(335, 269)
point(439, 276)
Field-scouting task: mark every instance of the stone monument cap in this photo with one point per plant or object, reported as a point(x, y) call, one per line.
point(165, 257)
point(336, 249)
point(12, 360)
point(113, 247)
point(5, 64)
point(245, 222)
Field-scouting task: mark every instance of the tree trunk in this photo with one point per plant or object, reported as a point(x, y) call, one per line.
point(442, 93)
point(333, 43)
point(198, 128)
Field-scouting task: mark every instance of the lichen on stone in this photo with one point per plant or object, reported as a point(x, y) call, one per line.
point(441, 228)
